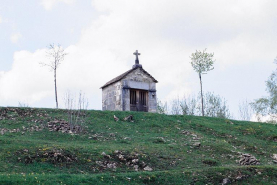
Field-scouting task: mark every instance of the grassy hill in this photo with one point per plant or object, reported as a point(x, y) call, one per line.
point(36, 147)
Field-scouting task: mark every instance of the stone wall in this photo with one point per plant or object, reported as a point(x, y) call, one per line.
point(139, 80)
point(117, 96)
point(152, 101)
point(112, 97)
point(126, 99)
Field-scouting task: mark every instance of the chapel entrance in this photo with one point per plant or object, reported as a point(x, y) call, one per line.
point(138, 100)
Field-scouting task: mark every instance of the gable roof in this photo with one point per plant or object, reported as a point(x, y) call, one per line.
point(116, 79)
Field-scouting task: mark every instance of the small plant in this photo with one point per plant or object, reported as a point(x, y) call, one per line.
point(214, 106)
point(22, 104)
point(159, 140)
point(162, 107)
point(210, 161)
point(76, 113)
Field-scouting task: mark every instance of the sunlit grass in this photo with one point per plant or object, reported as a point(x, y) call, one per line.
point(179, 149)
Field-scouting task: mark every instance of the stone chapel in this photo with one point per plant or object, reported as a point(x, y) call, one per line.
point(134, 90)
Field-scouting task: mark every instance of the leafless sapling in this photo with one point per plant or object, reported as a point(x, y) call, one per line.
point(175, 106)
point(76, 112)
point(56, 55)
point(245, 110)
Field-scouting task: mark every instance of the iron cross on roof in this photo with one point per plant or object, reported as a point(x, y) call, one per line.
point(137, 54)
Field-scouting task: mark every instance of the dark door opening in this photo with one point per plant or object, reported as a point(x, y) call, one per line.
point(138, 100)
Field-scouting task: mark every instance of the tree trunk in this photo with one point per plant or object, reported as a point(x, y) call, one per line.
point(56, 94)
point(202, 102)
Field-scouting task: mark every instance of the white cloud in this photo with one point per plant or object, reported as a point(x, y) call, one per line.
point(49, 4)
point(26, 80)
point(1, 20)
point(15, 37)
point(166, 33)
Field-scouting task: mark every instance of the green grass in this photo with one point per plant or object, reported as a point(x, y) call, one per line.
point(165, 143)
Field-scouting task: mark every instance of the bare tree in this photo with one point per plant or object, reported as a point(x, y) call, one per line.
point(245, 110)
point(56, 54)
point(202, 62)
point(175, 106)
point(76, 112)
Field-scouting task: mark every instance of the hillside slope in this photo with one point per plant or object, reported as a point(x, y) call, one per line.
point(37, 147)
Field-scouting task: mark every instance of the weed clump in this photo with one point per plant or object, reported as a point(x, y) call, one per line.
point(64, 127)
point(210, 162)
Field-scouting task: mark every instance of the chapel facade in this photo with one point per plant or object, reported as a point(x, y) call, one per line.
point(134, 90)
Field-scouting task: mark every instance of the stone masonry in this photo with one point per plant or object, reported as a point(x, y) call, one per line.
point(116, 92)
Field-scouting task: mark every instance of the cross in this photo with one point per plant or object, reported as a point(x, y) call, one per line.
point(137, 54)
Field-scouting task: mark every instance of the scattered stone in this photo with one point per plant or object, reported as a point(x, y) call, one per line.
point(119, 158)
point(96, 136)
point(239, 177)
point(159, 140)
point(111, 165)
point(115, 118)
point(127, 138)
point(247, 159)
point(129, 118)
point(112, 134)
point(11, 113)
point(64, 127)
point(3, 131)
point(135, 161)
point(53, 156)
point(136, 167)
point(185, 132)
point(105, 155)
point(274, 157)
point(197, 144)
point(107, 164)
point(226, 181)
point(147, 168)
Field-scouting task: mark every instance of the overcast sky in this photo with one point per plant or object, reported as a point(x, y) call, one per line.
point(100, 37)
